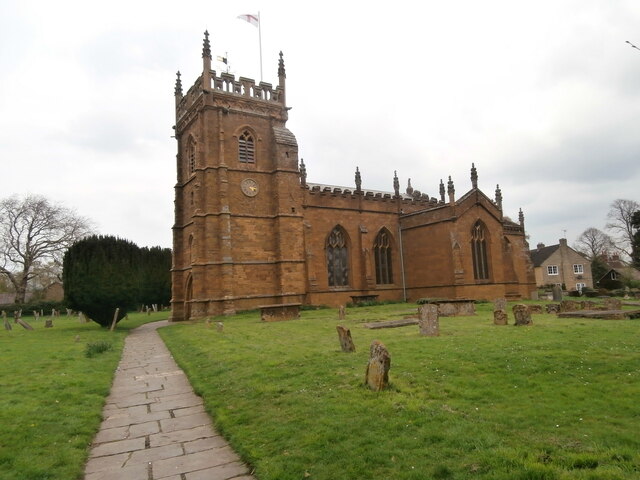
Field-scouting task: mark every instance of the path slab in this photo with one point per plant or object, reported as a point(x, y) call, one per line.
point(155, 426)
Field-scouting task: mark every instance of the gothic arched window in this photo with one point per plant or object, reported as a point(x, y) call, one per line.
point(479, 252)
point(246, 148)
point(337, 258)
point(191, 155)
point(382, 254)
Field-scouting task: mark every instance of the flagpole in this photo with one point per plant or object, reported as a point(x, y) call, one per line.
point(260, 43)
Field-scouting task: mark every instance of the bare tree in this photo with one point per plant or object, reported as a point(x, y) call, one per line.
point(593, 243)
point(621, 223)
point(35, 232)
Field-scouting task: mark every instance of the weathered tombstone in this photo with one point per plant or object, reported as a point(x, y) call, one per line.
point(16, 316)
point(208, 322)
point(346, 342)
point(535, 308)
point(553, 308)
point(613, 303)
point(7, 325)
point(557, 293)
point(500, 317)
point(36, 315)
point(521, 315)
point(626, 293)
point(69, 312)
point(569, 306)
point(500, 304)
point(24, 324)
point(48, 323)
point(341, 313)
point(219, 326)
point(429, 321)
point(589, 305)
point(377, 376)
point(148, 310)
point(77, 339)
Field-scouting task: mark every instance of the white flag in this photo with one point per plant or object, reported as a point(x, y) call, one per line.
point(252, 19)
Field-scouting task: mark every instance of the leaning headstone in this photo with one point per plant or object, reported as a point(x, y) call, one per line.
point(613, 303)
point(69, 312)
point(500, 317)
point(346, 342)
point(557, 293)
point(500, 304)
point(429, 321)
point(24, 324)
point(219, 327)
point(341, 313)
point(521, 315)
point(377, 376)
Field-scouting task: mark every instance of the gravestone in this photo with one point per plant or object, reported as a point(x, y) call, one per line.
point(377, 376)
point(521, 315)
point(613, 303)
point(535, 308)
point(569, 306)
point(346, 342)
point(7, 325)
point(24, 324)
point(553, 308)
point(219, 327)
point(48, 323)
point(500, 317)
point(341, 313)
point(500, 304)
point(429, 322)
point(557, 293)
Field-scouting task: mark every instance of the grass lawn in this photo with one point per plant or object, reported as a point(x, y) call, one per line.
point(51, 394)
point(557, 400)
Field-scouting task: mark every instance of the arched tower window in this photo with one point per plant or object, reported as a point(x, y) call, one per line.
point(191, 155)
point(382, 254)
point(246, 148)
point(337, 258)
point(479, 251)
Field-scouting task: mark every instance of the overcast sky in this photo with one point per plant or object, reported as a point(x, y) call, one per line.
point(543, 96)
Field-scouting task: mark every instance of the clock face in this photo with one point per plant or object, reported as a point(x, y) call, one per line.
point(249, 187)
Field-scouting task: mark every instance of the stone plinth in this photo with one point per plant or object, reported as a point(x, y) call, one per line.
point(276, 313)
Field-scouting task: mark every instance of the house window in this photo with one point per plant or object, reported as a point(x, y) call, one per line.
point(246, 148)
point(552, 270)
point(191, 155)
point(479, 252)
point(614, 275)
point(382, 253)
point(580, 286)
point(337, 258)
point(578, 269)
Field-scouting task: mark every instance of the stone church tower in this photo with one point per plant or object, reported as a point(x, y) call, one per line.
point(238, 239)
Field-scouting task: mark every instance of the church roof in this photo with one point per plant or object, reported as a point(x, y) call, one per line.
point(284, 135)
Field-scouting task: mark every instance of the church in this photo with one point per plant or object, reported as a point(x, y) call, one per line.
point(251, 230)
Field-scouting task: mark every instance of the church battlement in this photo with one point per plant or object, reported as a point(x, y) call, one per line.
point(226, 88)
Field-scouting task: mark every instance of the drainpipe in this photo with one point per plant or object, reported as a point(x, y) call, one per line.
point(404, 286)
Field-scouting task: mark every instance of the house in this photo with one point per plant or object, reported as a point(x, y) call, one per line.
point(561, 265)
point(251, 230)
point(618, 274)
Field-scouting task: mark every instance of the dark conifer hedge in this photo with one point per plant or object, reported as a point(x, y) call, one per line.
point(102, 273)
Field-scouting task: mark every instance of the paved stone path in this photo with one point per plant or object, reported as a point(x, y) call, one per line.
point(155, 426)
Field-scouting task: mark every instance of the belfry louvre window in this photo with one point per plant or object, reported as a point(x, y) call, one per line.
point(191, 155)
point(479, 252)
point(382, 254)
point(337, 258)
point(246, 148)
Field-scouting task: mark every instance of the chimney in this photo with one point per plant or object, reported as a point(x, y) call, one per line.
point(563, 242)
point(540, 245)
